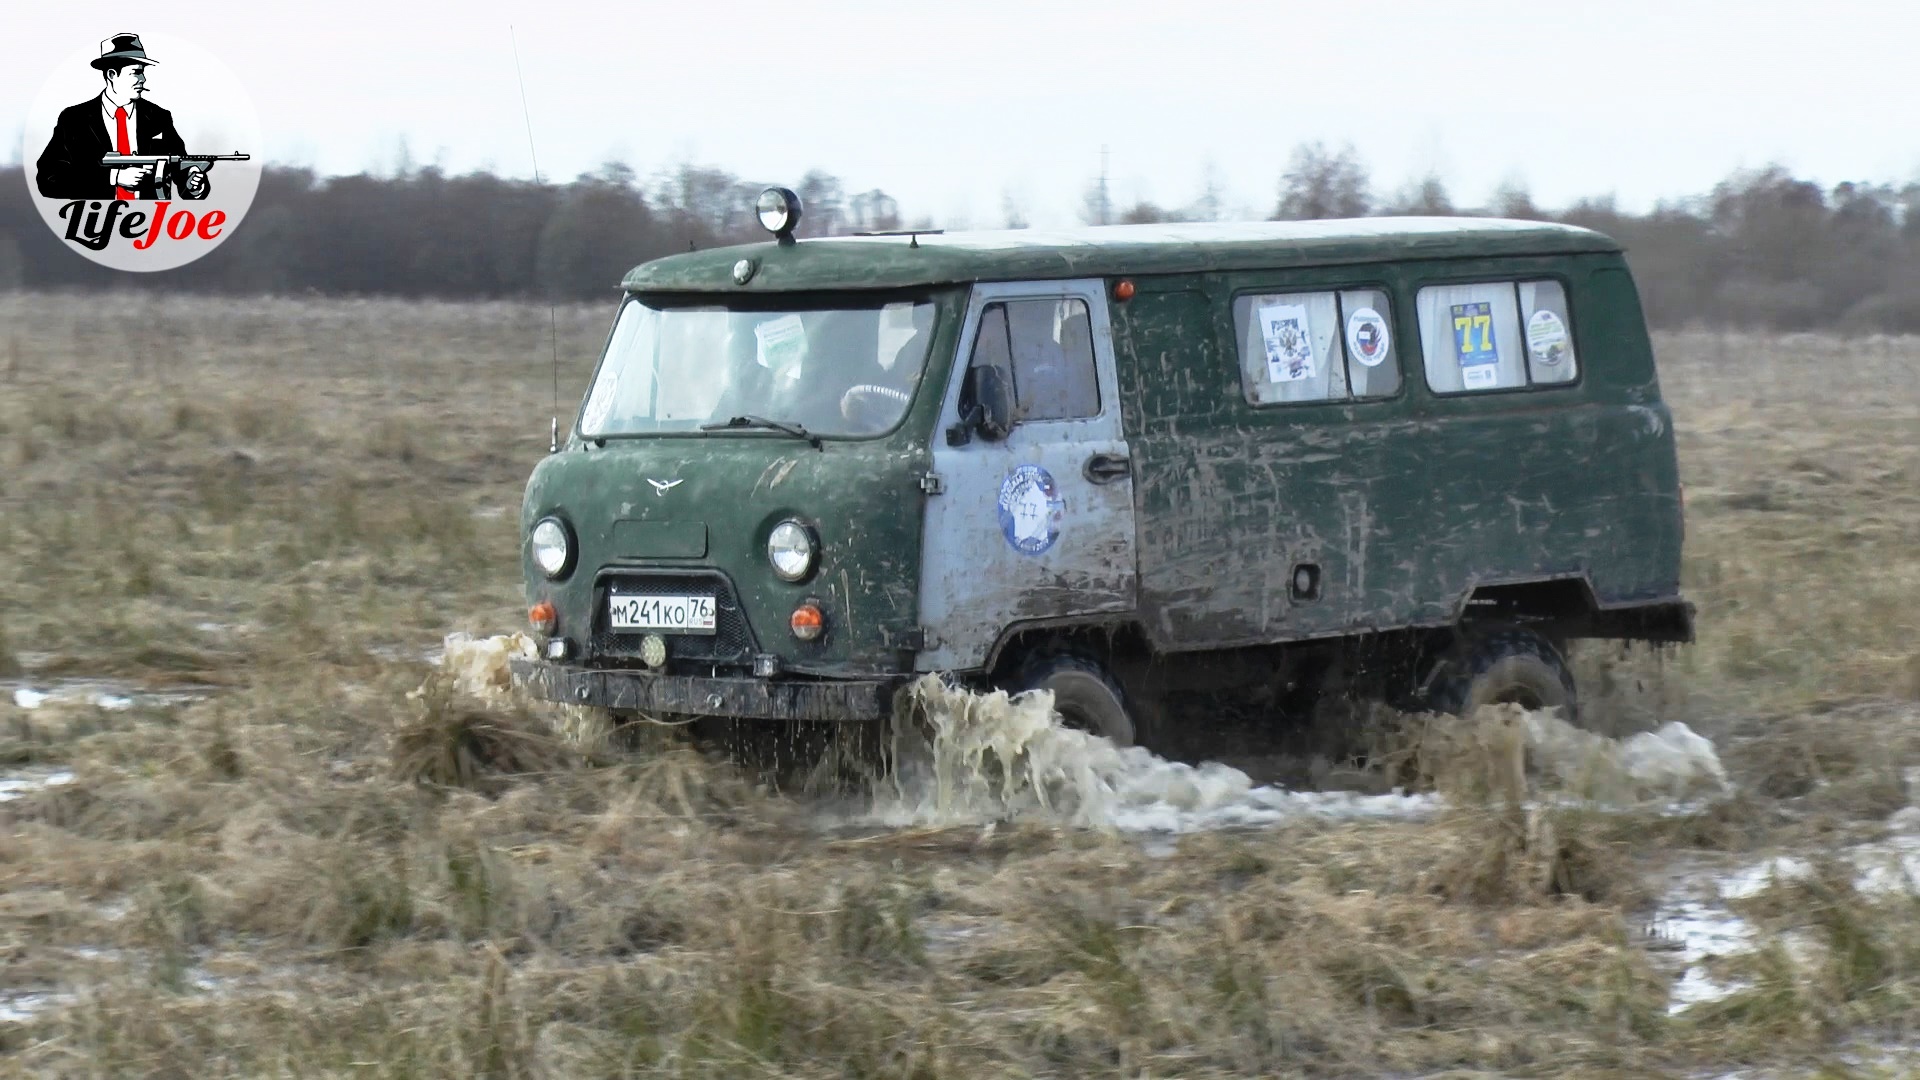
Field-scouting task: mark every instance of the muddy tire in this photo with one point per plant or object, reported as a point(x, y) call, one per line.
point(1084, 694)
point(1501, 664)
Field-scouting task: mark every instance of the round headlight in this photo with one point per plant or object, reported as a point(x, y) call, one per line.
point(791, 550)
point(779, 210)
point(552, 547)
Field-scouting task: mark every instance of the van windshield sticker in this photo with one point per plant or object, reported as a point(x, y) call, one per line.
point(1367, 337)
point(1030, 509)
point(783, 345)
point(1289, 343)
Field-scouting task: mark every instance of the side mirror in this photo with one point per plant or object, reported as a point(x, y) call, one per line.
point(992, 397)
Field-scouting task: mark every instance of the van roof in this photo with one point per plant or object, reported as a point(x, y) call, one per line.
point(897, 261)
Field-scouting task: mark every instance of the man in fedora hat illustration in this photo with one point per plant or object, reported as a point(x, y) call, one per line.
point(120, 121)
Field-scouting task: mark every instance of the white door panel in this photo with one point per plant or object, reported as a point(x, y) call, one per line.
point(1037, 526)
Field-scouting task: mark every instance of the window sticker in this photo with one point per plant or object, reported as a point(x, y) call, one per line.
point(1367, 337)
point(1031, 509)
point(1547, 337)
point(1473, 341)
point(1289, 343)
point(783, 345)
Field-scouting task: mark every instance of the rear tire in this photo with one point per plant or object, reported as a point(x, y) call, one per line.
point(1084, 694)
point(1491, 665)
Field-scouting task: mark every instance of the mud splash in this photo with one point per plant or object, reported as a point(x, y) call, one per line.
point(989, 757)
point(1671, 762)
point(995, 757)
point(478, 666)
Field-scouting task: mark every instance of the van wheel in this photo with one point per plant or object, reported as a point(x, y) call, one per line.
point(1495, 665)
point(1085, 696)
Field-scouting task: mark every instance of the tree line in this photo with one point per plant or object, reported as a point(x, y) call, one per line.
point(1763, 249)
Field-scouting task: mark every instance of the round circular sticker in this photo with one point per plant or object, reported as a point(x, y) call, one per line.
point(1547, 337)
point(1030, 509)
point(1367, 337)
point(131, 183)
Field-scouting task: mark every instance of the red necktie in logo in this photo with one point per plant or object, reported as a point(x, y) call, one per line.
point(121, 146)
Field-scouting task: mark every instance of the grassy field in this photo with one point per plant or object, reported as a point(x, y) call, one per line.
point(284, 505)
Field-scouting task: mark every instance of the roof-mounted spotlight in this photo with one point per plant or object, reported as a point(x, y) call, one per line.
point(779, 210)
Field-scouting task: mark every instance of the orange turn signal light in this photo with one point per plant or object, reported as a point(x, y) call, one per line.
point(807, 622)
point(543, 617)
point(1123, 291)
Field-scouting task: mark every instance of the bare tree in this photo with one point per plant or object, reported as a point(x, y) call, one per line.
point(1145, 212)
point(823, 209)
point(1425, 197)
point(1013, 209)
point(1512, 200)
point(875, 211)
point(1323, 184)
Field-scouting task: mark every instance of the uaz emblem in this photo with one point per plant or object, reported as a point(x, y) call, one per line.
point(661, 487)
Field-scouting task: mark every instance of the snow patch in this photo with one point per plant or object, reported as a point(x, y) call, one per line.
point(20, 785)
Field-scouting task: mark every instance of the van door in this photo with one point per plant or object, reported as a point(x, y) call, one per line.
point(1038, 525)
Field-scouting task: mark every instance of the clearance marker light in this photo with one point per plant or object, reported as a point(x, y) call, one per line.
point(543, 617)
point(807, 622)
point(1123, 291)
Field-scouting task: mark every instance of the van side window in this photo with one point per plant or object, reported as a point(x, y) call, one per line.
point(1316, 346)
point(1500, 335)
point(1048, 347)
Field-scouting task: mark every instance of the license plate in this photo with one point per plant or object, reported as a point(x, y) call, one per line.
point(674, 614)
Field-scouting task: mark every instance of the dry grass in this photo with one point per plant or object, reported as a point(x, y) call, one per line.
point(305, 871)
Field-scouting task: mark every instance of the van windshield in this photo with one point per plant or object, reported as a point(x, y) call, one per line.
point(835, 369)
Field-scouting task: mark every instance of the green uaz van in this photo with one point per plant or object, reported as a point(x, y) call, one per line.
point(1408, 457)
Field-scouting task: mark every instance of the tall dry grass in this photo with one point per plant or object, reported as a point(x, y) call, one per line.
point(282, 504)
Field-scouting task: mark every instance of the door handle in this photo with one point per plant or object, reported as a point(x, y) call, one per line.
point(1106, 468)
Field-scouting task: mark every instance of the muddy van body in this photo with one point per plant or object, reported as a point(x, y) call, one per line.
point(1413, 457)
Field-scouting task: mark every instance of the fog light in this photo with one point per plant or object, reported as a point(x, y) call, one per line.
point(557, 649)
point(766, 665)
point(653, 650)
point(543, 617)
point(779, 211)
point(807, 622)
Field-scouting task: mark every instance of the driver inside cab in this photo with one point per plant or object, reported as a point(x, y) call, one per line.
point(879, 396)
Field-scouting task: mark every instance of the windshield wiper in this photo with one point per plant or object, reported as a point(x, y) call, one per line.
point(783, 426)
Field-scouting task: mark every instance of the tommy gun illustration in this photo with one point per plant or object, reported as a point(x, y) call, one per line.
point(169, 169)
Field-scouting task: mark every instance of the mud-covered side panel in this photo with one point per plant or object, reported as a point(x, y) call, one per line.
point(1400, 507)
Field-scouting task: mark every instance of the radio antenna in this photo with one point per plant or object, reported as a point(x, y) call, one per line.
point(553, 319)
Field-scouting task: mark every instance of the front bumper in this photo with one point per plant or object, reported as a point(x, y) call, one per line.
point(758, 699)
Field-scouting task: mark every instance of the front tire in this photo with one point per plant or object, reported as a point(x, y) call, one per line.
point(1084, 694)
point(1493, 665)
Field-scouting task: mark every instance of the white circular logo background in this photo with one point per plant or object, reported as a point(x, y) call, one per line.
point(213, 113)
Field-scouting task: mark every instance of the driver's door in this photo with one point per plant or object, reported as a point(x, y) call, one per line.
point(1037, 525)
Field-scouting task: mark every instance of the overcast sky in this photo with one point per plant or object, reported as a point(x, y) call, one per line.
point(952, 107)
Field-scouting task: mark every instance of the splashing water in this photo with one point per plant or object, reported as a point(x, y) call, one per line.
point(994, 757)
point(1672, 762)
point(478, 666)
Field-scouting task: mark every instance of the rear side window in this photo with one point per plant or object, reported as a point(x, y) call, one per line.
point(1322, 346)
point(1501, 335)
point(1047, 345)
